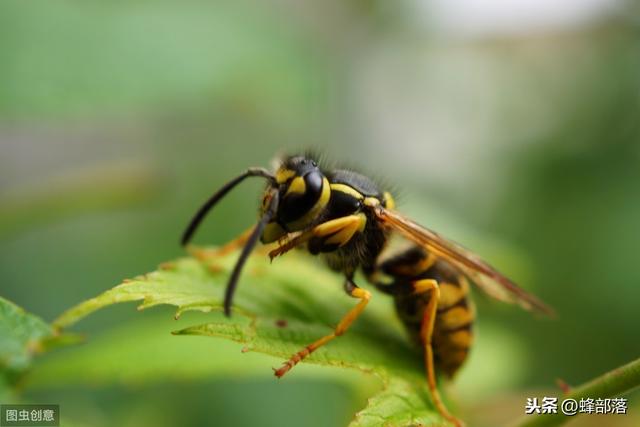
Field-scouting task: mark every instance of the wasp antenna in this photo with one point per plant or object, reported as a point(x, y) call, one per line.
point(248, 247)
point(204, 209)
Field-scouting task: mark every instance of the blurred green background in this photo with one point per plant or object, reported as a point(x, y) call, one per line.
point(513, 127)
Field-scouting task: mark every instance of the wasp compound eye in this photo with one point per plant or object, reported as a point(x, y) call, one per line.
point(301, 196)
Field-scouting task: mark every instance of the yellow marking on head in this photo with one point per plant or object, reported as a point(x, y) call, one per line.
point(283, 175)
point(343, 188)
point(297, 186)
point(307, 218)
point(390, 203)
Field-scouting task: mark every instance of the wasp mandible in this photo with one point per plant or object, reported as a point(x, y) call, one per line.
point(348, 219)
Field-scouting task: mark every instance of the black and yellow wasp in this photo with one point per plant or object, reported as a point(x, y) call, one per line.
point(345, 217)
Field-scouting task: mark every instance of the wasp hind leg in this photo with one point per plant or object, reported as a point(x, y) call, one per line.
point(353, 290)
point(426, 335)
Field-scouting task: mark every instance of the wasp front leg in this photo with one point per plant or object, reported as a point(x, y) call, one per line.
point(326, 236)
point(354, 291)
point(207, 255)
point(237, 243)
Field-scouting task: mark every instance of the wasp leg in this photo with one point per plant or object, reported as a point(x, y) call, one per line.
point(288, 243)
point(334, 232)
point(340, 230)
point(210, 255)
point(426, 334)
point(353, 290)
point(227, 248)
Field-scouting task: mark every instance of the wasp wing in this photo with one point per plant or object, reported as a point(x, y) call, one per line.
point(482, 274)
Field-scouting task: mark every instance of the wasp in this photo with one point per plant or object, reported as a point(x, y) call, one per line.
point(346, 218)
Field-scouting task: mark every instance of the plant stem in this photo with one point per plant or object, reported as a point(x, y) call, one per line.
point(615, 383)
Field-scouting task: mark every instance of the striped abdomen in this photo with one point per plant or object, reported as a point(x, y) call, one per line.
point(452, 335)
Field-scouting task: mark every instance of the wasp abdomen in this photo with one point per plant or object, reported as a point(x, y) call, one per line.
point(453, 330)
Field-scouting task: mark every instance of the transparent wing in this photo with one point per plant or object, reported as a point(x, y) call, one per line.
point(482, 274)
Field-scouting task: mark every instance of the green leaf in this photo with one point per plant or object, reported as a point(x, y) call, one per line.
point(279, 309)
point(22, 335)
point(398, 404)
point(126, 355)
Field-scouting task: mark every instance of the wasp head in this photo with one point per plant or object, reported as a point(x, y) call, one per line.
point(303, 192)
